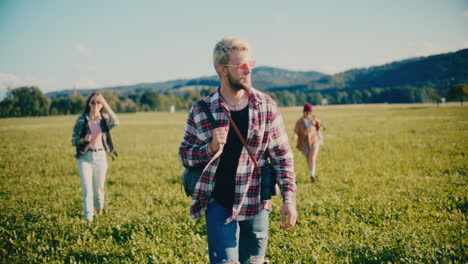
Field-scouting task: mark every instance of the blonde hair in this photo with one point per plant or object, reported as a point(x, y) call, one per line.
point(223, 49)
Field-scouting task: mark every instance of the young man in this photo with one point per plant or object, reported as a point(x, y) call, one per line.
point(228, 190)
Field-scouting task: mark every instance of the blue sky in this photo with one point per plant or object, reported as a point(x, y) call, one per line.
point(58, 45)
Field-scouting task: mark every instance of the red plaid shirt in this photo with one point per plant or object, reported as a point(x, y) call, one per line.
point(266, 134)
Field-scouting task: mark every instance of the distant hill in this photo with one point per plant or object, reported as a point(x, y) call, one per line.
point(438, 71)
point(124, 89)
point(262, 78)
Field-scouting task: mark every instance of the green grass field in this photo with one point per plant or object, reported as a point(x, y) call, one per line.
point(392, 188)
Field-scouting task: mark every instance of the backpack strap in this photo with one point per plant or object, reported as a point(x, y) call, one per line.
point(208, 113)
point(233, 124)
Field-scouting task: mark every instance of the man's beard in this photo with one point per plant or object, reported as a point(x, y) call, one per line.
point(236, 85)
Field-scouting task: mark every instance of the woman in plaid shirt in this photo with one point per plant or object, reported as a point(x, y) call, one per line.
point(92, 140)
point(228, 191)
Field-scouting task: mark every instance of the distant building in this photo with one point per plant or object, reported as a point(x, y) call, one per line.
point(75, 92)
point(172, 109)
point(324, 101)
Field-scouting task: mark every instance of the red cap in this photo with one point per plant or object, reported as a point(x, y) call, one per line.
point(308, 107)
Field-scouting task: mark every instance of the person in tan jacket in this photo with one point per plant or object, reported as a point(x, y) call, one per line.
point(309, 137)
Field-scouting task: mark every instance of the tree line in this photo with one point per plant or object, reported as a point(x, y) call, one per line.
point(30, 101)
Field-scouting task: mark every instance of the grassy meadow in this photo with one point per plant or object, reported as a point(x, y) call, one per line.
point(392, 188)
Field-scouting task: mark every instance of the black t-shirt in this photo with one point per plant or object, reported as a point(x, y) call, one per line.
point(226, 173)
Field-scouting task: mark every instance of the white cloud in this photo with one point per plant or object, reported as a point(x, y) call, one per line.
point(86, 68)
point(329, 68)
point(81, 49)
point(426, 48)
point(9, 80)
point(125, 82)
point(465, 13)
point(44, 83)
point(280, 19)
point(85, 84)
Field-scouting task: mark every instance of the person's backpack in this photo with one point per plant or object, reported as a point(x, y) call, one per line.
point(313, 133)
point(191, 175)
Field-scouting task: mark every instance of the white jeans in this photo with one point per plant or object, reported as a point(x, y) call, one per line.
point(92, 167)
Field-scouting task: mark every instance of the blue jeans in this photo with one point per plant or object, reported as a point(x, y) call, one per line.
point(237, 241)
point(92, 167)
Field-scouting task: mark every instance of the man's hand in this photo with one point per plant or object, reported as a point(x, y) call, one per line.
point(288, 215)
point(219, 139)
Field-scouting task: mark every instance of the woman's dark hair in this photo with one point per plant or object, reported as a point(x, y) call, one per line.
point(87, 108)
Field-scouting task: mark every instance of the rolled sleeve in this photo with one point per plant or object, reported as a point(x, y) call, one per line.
point(76, 139)
point(112, 121)
point(192, 150)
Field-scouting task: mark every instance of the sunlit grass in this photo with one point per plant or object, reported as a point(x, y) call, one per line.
point(392, 188)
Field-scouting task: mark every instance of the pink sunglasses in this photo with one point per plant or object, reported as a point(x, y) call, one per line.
point(243, 66)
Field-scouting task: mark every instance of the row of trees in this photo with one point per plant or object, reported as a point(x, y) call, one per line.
point(404, 94)
point(30, 101)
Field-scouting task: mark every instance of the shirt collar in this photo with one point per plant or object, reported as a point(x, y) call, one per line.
point(216, 102)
